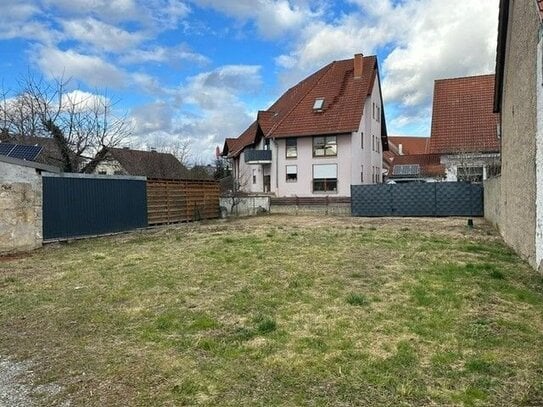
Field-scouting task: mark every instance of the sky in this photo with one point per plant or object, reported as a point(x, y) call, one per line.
point(199, 70)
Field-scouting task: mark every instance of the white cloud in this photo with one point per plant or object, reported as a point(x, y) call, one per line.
point(161, 54)
point(272, 17)
point(101, 36)
point(94, 71)
point(204, 111)
point(430, 39)
point(84, 101)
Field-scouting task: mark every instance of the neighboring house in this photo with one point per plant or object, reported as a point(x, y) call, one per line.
point(417, 167)
point(410, 145)
point(519, 99)
point(320, 137)
point(50, 153)
point(465, 128)
point(150, 164)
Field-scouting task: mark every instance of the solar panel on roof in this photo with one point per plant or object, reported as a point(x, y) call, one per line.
point(5, 148)
point(407, 169)
point(22, 152)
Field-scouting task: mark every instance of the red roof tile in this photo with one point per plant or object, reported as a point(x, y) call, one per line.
point(292, 115)
point(463, 118)
point(411, 145)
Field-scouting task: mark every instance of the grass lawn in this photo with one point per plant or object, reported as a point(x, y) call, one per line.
point(280, 310)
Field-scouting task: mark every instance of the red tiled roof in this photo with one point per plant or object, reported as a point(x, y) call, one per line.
point(430, 164)
point(292, 115)
point(411, 145)
point(463, 118)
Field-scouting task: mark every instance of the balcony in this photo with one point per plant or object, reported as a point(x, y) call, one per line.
point(258, 156)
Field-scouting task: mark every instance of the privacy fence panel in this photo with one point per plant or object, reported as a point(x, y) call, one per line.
point(77, 205)
point(172, 201)
point(418, 199)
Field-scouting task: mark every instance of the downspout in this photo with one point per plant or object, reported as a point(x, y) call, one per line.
point(276, 144)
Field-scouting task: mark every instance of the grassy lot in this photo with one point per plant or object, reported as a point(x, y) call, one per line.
point(280, 310)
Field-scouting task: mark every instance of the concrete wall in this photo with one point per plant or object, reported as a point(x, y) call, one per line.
point(518, 180)
point(539, 157)
point(493, 203)
point(20, 208)
point(339, 209)
point(246, 206)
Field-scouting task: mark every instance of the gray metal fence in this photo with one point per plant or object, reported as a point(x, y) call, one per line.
point(418, 199)
point(84, 205)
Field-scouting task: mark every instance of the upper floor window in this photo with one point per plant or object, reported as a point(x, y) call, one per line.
point(362, 140)
point(266, 144)
point(324, 146)
point(292, 148)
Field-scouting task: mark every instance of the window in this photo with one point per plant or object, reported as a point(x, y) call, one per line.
point(378, 144)
point(325, 178)
point(266, 144)
point(292, 148)
point(362, 174)
point(373, 111)
point(372, 142)
point(102, 172)
point(319, 103)
point(292, 173)
point(378, 118)
point(471, 174)
point(324, 146)
point(254, 176)
point(362, 140)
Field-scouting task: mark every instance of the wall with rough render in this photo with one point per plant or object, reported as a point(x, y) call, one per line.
point(518, 179)
point(20, 208)
point(493, 202)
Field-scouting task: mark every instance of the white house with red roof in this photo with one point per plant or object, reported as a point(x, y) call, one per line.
point(321, 136)
point(465, 128)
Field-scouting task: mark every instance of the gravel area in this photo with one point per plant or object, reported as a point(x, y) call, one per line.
point(18, 390)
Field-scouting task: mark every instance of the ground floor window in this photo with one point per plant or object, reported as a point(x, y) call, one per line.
point(325, 178)
point(292, 173)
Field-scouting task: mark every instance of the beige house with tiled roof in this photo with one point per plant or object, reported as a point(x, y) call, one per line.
point(320, 137)
point(150, 164)
point(465, 128)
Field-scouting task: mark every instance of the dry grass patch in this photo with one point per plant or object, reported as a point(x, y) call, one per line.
point(280, 310)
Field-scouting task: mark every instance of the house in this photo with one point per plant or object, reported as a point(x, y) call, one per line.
point(50, 153)
point(417, 167)
point(407, 145)
point(515, 200)
point(320, 137)
point(150, 164)
point(465, 128)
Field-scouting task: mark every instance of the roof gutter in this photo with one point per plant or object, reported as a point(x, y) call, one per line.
point(500, 57)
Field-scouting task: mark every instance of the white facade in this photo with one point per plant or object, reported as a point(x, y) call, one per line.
point(356, 162)
point(472, 163)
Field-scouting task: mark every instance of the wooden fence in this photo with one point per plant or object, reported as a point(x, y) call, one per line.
point(173, 201)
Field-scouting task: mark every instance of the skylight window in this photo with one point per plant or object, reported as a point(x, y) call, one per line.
point(319, 103)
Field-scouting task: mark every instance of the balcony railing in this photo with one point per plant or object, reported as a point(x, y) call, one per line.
point(258, 156)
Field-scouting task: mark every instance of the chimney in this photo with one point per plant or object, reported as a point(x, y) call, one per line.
point(358, 65)
point(400, 149)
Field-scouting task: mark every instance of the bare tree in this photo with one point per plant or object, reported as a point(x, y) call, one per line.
point(181, 149)
point(471, 166)
point(83, 125)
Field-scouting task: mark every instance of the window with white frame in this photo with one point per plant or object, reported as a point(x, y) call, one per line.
point(324, 146)
point(325, 178)
point(292, 173)
point(292, 147)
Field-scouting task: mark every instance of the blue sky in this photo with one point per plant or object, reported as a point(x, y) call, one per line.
point(199, 70)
